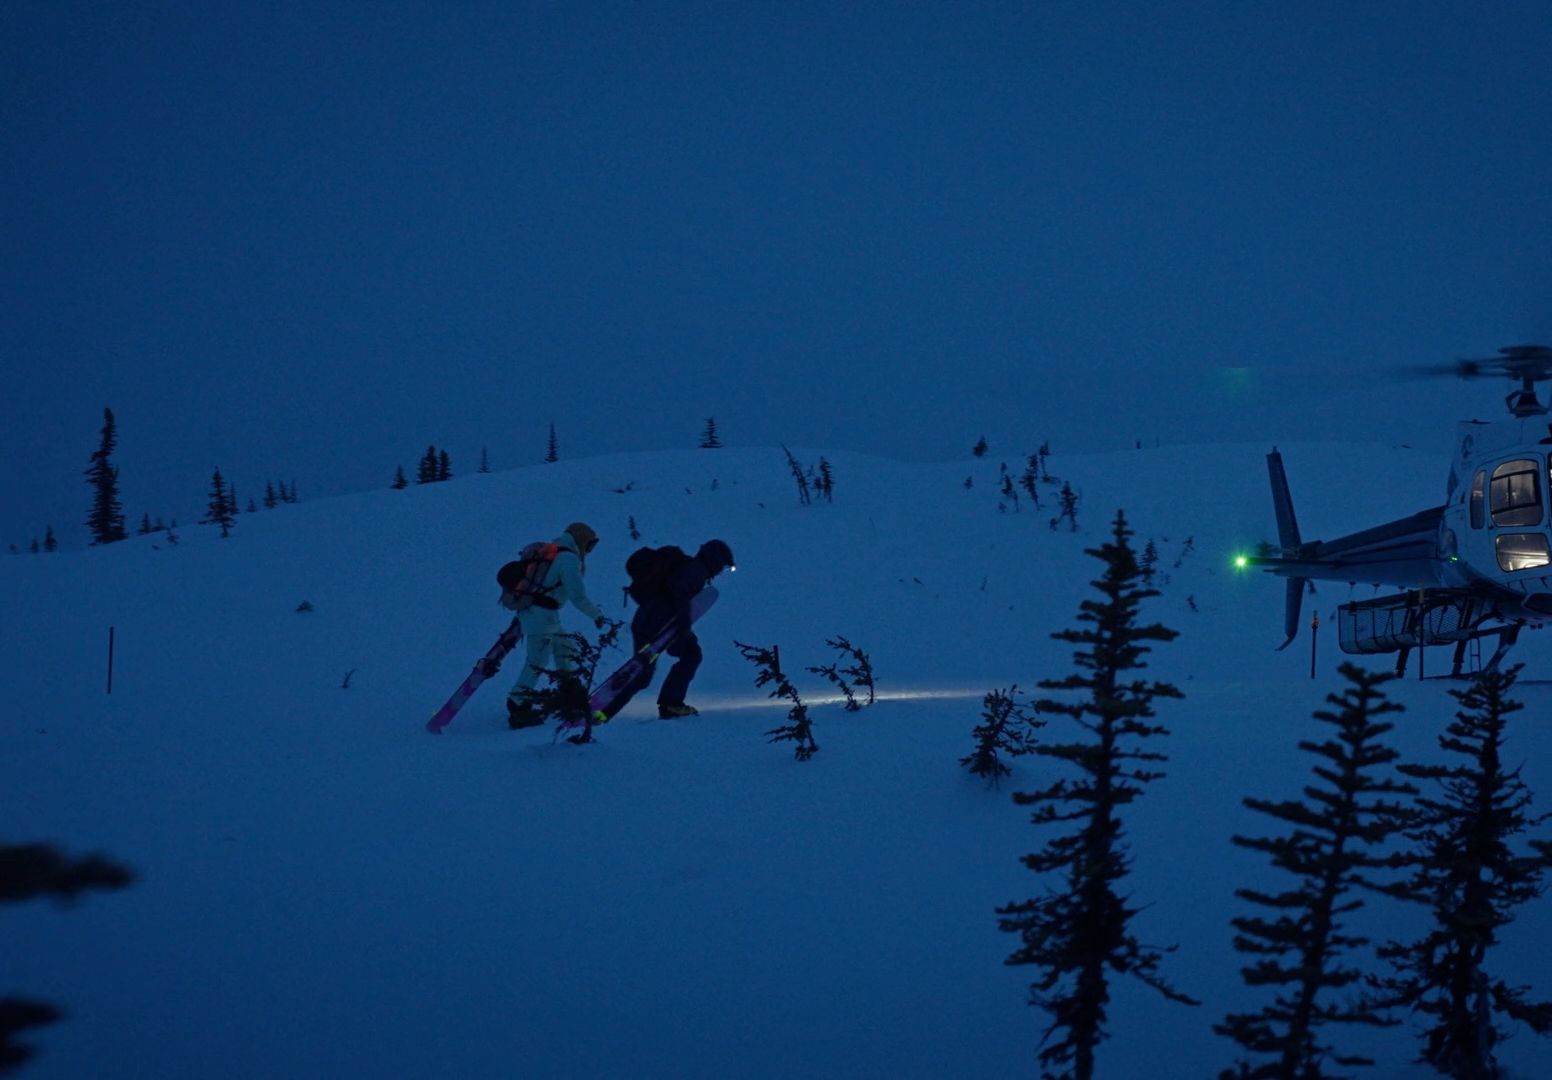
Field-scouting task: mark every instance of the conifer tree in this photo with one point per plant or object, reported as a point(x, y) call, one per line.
point(219, 510)
point(1471, 878)
point(1067, 502)
point(1150, 561)
point(1006, 730)
point(826, 483)
point(145, 525)
point(484, 459)
point(50, 543)
point(399, 481)
point(444, 466)
point(270, 498)
point(552, 450)
point(426, 473)
point(30, 871)
point(1302, 948)
point(1029, 481)
point(980, 447)
point(799, 475)
point(709, 439)
point(1079, 932)
point(630, 527)
point(290, 492)
point(106, 520)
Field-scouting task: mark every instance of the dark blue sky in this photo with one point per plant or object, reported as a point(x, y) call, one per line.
point(304, 240)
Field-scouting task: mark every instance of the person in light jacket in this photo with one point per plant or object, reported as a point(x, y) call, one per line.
point(542, 628)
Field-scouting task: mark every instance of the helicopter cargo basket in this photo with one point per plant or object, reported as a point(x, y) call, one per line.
point(1388, 624)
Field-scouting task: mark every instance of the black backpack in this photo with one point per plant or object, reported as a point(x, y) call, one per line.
point(651, 570)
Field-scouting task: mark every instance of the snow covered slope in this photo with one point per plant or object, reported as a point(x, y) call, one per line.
point(328, 891)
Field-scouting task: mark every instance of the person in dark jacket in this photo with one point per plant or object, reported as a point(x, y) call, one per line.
point(673, 603)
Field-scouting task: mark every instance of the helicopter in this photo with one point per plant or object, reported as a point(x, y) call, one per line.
point(1477, 567)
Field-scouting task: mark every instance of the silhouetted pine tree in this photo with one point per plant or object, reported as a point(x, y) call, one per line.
point(145, 525)
point(106, 520)
point(484, 460)
point(219, 510)
point(980, 447)
point(1078, 932)
point(1030, 480)
point(1301, 948)
point(826, 482)
point(1150, 561)
point(289, 492)
point(270, 498)
point(1006, 729)
point(709, 439)
point(444, 469)
point(399, 481)
point(1466, 871)
point(799, 475)
point(29, 871)
point(630, 528)
point(426, 473)
point(552, 450)
point(1067, 503)
point(50, 543)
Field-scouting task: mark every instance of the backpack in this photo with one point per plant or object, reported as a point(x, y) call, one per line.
point(522, 580)
point(651, 570)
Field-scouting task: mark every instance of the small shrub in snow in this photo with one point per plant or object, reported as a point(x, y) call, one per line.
point(799, 728)
point(847, 679)
point(1006, 730)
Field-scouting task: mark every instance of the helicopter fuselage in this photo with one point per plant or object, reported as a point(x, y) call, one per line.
point(1494, 534)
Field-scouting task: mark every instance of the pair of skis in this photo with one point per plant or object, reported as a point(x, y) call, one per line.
point(600, 700)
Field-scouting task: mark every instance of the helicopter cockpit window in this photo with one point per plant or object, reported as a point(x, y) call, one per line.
point(1479, 499)
point(1516, 493)
point(1522, 551)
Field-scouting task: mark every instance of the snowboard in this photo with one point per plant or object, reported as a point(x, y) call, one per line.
point(484, 668)
point(607, 691)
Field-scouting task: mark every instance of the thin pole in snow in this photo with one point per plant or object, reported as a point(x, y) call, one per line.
point(1314, 634)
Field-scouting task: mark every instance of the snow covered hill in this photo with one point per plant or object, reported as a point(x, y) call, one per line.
point(325, 890)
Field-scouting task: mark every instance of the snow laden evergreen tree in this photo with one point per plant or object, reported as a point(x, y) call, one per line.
point(1078, 932)
point(106, 520)
point(1467, 872)
point(1007, 730)
point(1302, 948)
point(400, 482)
point(444, 466)
point(709, 437)
point(221, 509)
point(552, 449)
